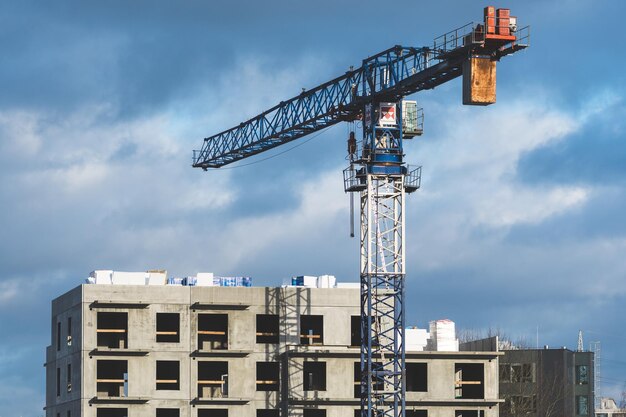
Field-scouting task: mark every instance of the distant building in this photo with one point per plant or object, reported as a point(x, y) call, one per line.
point(546, 383)
point(608, 408)
point(211, 351)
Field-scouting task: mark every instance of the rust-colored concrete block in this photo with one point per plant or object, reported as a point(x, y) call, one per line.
point(479, 81)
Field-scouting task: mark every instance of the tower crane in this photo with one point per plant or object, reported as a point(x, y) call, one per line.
point(374, 94)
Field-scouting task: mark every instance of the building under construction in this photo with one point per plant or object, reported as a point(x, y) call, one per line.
point(158, 350)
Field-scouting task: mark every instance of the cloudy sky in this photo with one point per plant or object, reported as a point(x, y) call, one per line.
point(519, 224)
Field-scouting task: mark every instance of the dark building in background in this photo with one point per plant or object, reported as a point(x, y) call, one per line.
point(546, 383)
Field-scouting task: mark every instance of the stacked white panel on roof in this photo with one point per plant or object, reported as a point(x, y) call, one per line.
point(326, 281)
point(416, 339)
point(205, 279)
point(101, 276)
point(128, 278)
point(348, 285)
point(156, 278)
point(443, 336)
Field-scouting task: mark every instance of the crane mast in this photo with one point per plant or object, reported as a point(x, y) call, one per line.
point(378, 173)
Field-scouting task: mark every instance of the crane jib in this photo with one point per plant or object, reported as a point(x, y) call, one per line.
point(387, 76)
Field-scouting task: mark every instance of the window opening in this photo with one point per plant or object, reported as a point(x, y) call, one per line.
point(267, 328)
point(69, 331)
point(68, 377)
point(416, 377)
point(378, 385)
point(212, 412)
point(58, 335)
point(416, 413)
point(314, 376)
point(212, 379)
point(355, 331)
point(167, 375)
point(582, 374)
point(505, 372)
point(582, 405)
point(267, 376)
point(58, 382)
point(112, 330)
point(167, 412)
point(313, 412)
point(112, 412)
point(112, 378)
point(311, 330)
point(469, 381)
point(168, 327)
point(469, 413)
point(267, 413)
point(212, 331)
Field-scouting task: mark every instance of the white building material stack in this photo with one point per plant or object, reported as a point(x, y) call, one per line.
point(205, 279)
point(443, 336)
point(156, 278)
point(416, 339)
point(101, 276)
point(128, 278)
point(326, 281)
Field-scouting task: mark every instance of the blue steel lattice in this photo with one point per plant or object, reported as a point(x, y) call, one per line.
point(386, 76)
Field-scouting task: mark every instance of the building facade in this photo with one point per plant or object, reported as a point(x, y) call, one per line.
point(547, 383)
point(174, 351)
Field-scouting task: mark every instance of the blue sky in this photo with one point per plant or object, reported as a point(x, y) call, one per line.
point(519, 223)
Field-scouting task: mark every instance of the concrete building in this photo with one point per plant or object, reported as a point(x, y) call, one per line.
point(172, 350)
point(546, 383)
point(608, 408)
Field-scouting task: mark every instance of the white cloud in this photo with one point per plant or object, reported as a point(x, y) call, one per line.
point(9, 290)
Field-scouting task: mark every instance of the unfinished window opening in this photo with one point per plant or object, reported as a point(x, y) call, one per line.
point(112, 412)
point(469, 413)
point(355, 331)
point(314, 376)
point(520, 404)
point(314, 412)
point(267, 376)
point(112, 330)
point(112, 378)
point(416, 413)
point(378, 386)
point(522, 372)
point(212, 331)
point(68, 377)
point(69, 331)
point(267, 327)
point(168, 327)
point(582, 375)
point(267, 413)
point(167, 412)
point(357, 380)
point(582, 405)
point(416, 377)
point(469, 380)
point(311, 330)
point(69, 413)
point(505, 372)
point(212, 412)
point(167, 375)
point(58, 335)
point(58, 382)
point(212, 379)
